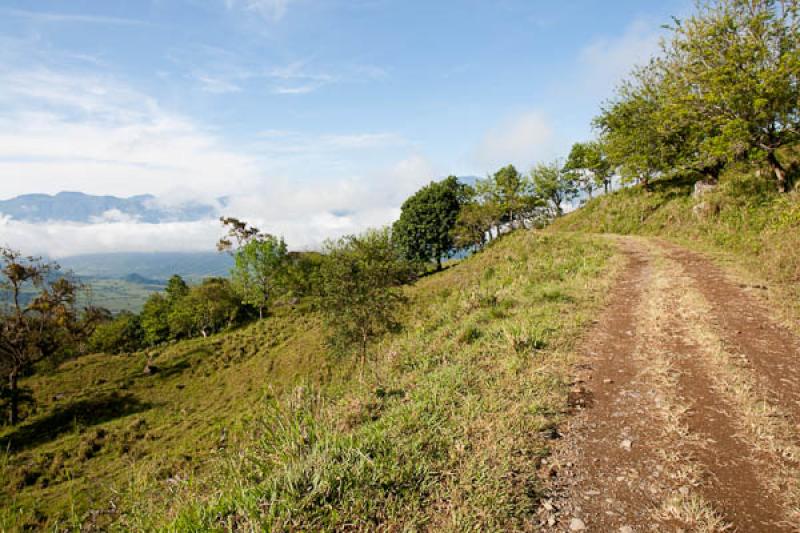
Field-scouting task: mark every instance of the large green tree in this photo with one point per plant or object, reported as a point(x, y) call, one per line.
point(427, 218)
point(736, 67)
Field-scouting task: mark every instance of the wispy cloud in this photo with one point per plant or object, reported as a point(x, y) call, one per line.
point(606, 61)
point(273, 10)
point(216, 85)
point(49, 16)
point(522, 140)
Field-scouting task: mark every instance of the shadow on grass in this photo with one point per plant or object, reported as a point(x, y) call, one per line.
point(66, 418)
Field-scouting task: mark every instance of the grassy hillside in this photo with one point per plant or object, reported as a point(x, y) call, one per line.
point(742, 220)
point(259, 428)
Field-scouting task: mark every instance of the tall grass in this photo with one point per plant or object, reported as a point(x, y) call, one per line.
point(450, 426)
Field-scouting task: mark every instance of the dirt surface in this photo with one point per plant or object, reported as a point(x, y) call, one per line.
point(686, 408)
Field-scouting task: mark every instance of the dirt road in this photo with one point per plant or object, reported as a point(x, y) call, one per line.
point(687, 408)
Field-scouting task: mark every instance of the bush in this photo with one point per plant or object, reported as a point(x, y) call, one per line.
point(123, 334)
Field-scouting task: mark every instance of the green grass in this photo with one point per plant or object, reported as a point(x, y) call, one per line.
point(260, 429)
point(744, 222)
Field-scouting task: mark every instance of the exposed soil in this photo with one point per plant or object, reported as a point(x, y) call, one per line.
point(686, 403)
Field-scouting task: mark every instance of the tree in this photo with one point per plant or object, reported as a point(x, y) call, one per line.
point(303, 273)
point(737, 63)
point(124, 334)
point(32, 329)
point(177, 288)
point(260, 271)
point(358, 293)
point(513, 193)
point(589, 160)
point(208, 308)
point(473, 225)
point(154, 317)
point(261, 263)
point(553, 184)
point(426, 221)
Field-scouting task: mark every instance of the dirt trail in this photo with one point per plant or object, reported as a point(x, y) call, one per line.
point(687, 406)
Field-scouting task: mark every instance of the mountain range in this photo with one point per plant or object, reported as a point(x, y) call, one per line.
point(87, 208)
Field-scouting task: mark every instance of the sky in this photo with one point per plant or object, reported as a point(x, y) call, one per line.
point(315, 118)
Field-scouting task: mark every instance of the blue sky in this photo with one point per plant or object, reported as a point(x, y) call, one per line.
point(316, 116)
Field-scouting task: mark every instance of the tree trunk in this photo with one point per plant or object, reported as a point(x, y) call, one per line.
point(363, 354)
point(260, 312)
point(438, 263)
point(606, 183)
point(780, 172)
point(13, 399)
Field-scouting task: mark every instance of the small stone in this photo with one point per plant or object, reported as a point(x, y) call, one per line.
point(576, 524)
point(626, 444)
point(626, 529)
point(684, 490)
point(548, 506)
point(551, 521)
point(608, 381)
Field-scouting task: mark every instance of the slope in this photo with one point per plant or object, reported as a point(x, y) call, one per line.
point(260, 429)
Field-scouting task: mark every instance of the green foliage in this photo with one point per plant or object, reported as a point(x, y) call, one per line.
point(36, 328)
point(589, 160)
point(154, 319)
point(553, 183)
point(123, 334)
point(427, 218)
point(723, 89)
point(302, 274)
point(208, 308)
point(260, 272)
point(359, 295)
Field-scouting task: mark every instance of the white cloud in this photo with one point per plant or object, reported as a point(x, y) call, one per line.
point(268, 9)
point(216, 85)
point(305, 214)
point(49, 16)
point(77, 130)
point(60, 239)
point(89, 133)
point(521, 140)
point(607, 61)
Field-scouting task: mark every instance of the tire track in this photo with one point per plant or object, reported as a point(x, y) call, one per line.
point(663, 441)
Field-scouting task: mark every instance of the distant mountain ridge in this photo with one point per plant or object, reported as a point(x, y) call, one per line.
point(87, 208)
point(148, 267)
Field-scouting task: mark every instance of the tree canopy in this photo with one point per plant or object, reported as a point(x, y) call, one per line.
point(427, 218)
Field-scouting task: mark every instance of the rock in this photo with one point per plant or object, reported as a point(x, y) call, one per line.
point(576, 524)
point(548, 506)
point(626, 444)
point(701, 188)
point(608, 381)
point(149, 369)
point(551, 521)
point(626, 529)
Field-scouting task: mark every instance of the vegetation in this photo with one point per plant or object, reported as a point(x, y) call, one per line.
point(723, 90)
point(359, 294)
point(463, 373)
point(427, 219)
point(45, 326)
